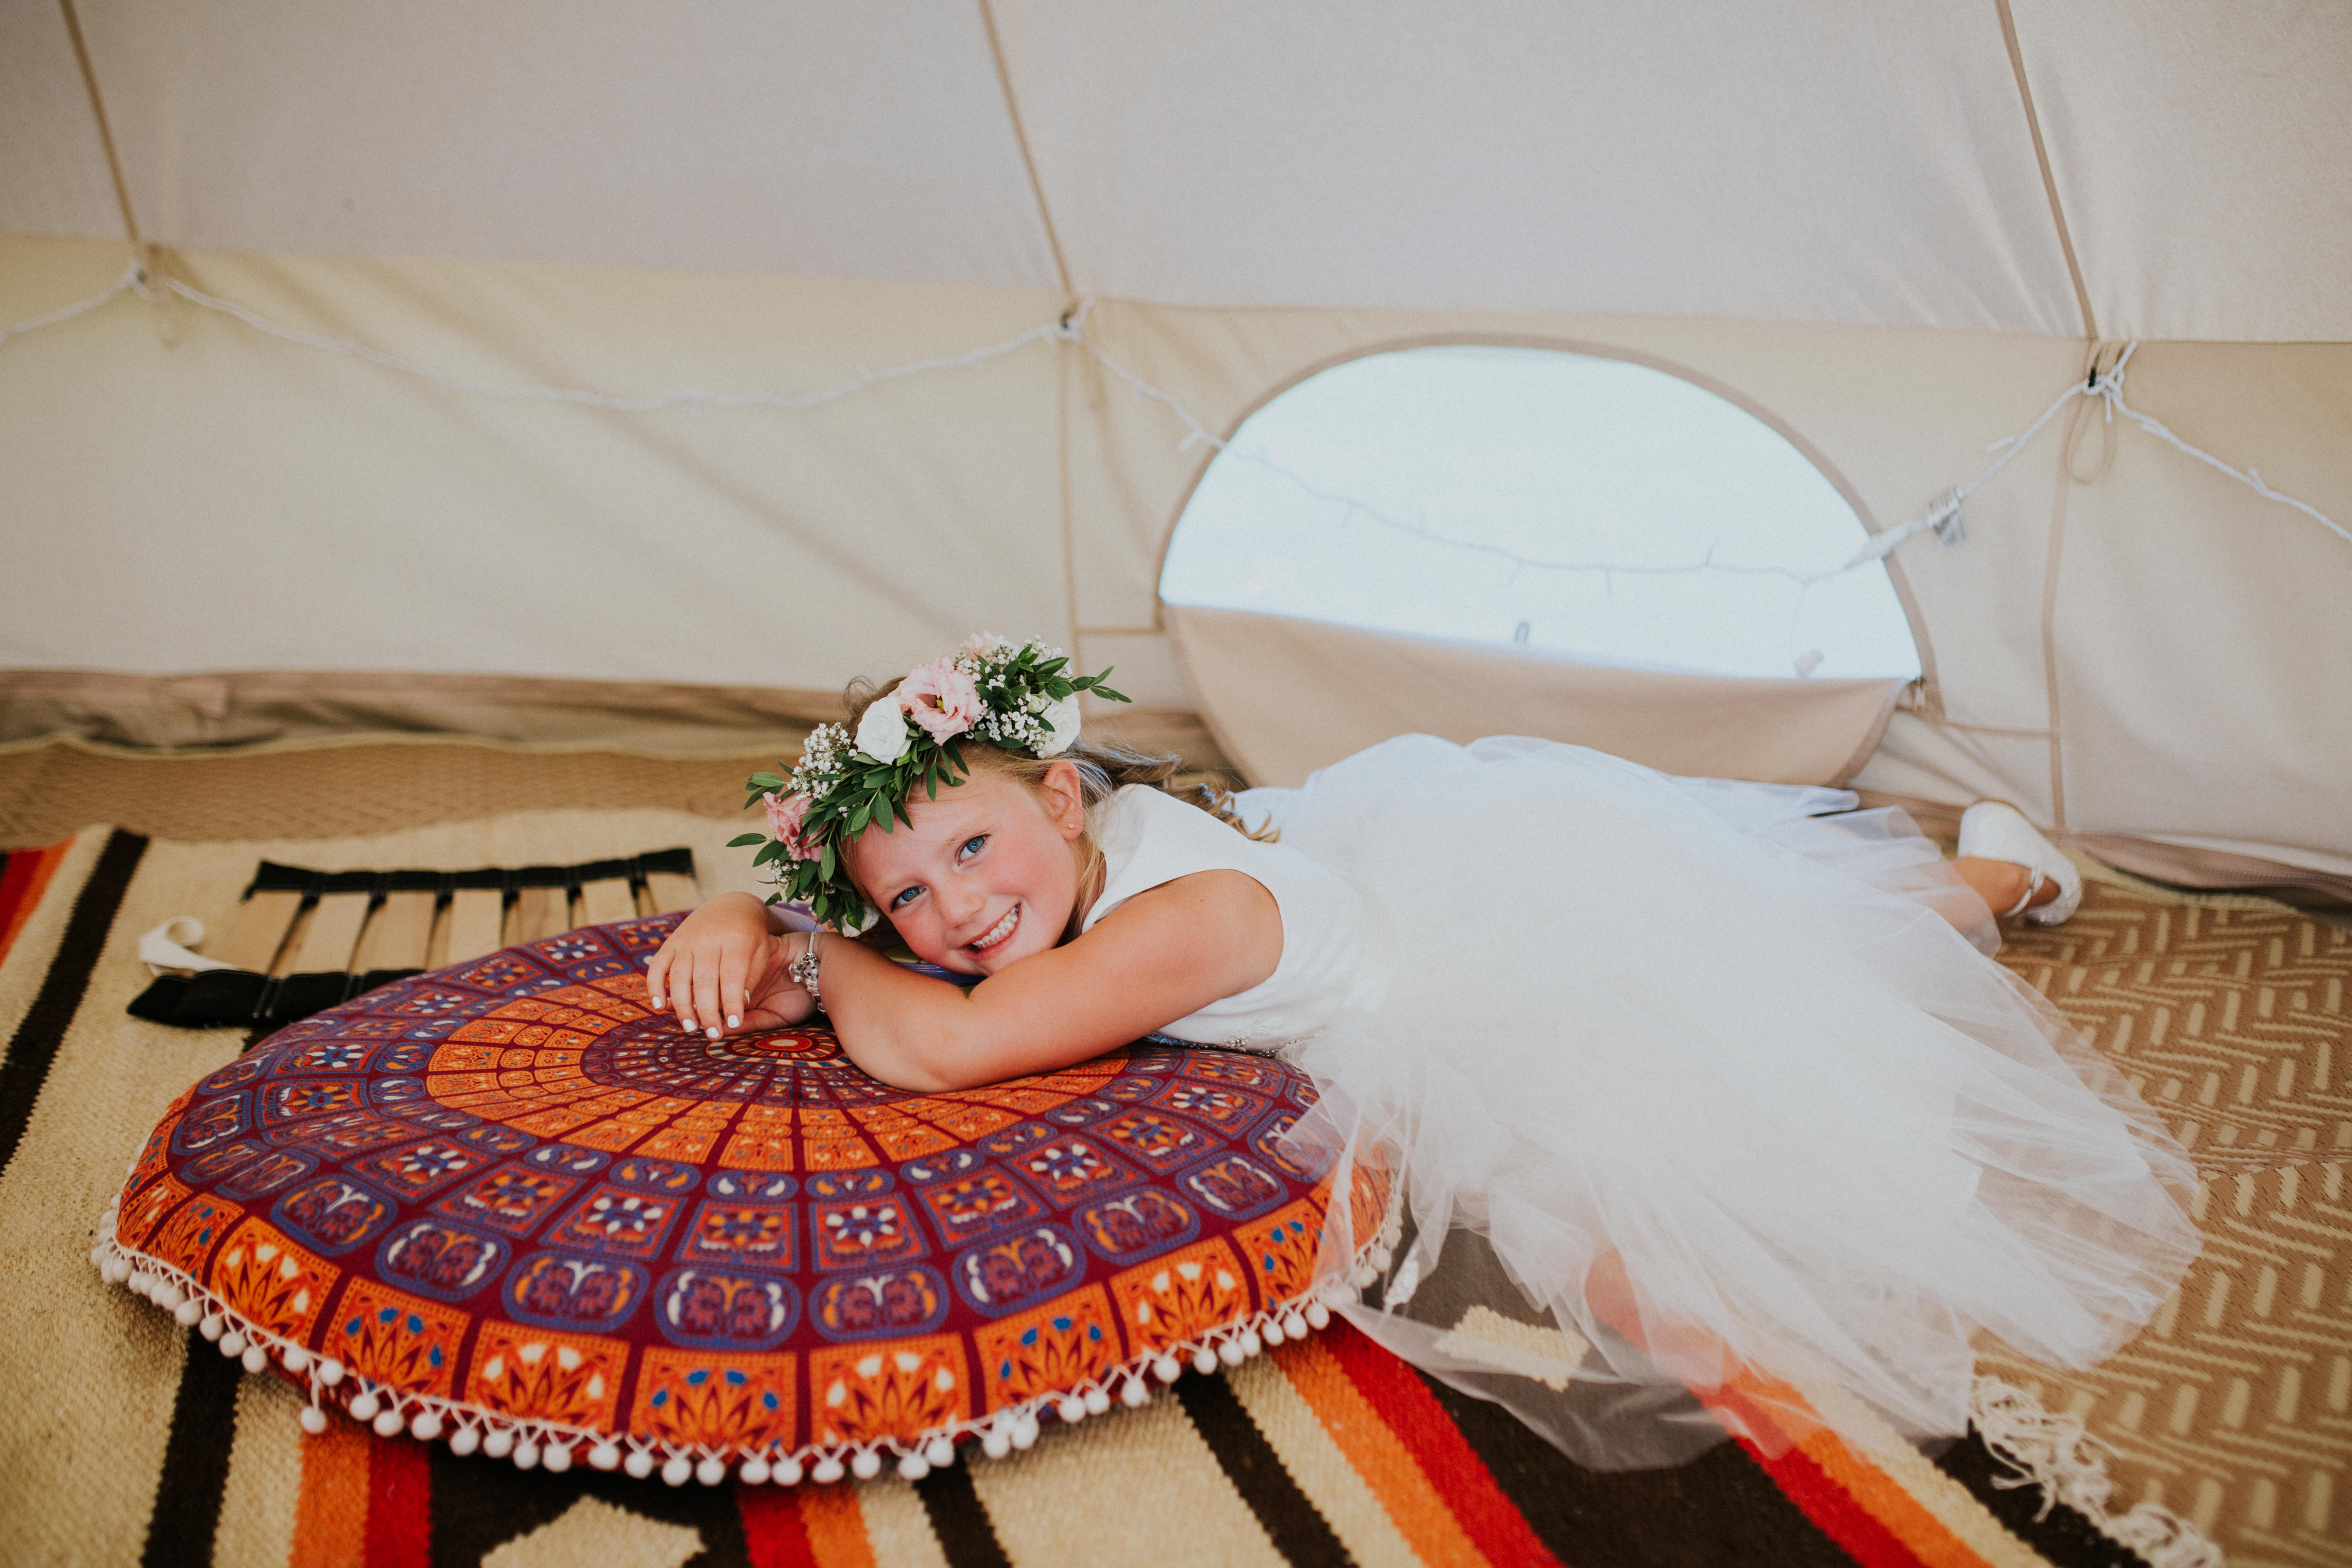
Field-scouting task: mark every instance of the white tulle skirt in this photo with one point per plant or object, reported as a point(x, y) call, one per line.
point(1692, 1085)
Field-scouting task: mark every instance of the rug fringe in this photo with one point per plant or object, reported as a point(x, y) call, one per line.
point(2052, 1453)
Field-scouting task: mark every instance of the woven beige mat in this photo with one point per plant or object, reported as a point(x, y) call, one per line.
point(2234, 1407)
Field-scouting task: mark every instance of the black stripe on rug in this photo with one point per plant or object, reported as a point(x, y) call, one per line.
point(2058, 1532)
point(479, 1504)
point(196, 1460)
point(1289, 1518)
point(1719, 1508)
point(35, 1047)
point(967, 1537)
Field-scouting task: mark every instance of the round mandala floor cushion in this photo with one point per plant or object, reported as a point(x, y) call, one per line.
point(507, 1205)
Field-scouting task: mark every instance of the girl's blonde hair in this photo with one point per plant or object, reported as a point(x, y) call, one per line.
point(1105, 767)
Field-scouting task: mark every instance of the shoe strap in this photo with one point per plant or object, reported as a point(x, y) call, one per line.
point(2033, 884)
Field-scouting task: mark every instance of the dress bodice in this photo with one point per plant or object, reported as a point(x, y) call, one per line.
point(1149, 837)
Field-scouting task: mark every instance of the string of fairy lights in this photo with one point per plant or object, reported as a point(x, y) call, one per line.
point(1942, 516)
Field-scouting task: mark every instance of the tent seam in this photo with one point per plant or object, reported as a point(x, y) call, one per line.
point(1021, 140)
point(2049, 177)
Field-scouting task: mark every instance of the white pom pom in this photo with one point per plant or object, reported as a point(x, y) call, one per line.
point(526, 1455)
point(116, 1271)
point(711, 1471)
point(213, 1327)
point(464, 1440)
point(1231, 1353)
point(940, 1452)
point(168, 1296)
point(1382, 1258)
point(314, 1420)
point(1136, 1394)
point(828, 1470)
point(786, 1473)
point(678, 1471)
point(605, 1455)
point(754, 1471)
point(389, 1423)
point(1294, 1327)
point(913, 1467)
point(232, 1344)
point(866, 1465)
point(188, 1313)
point(330, 1372)
point(1318, 1316)
point(364, 1406)
point(1072, 1410)
point(255, 1359)
point(1363, 1275)
point(556, 1457)
point(1250, 1343)
point(296, 1360)
point(639, 1464)
point(425, 1427)
point(1205, 1360)
point(1166, 1369)
point(996, 1442)
point(1024, 1432)
point(97, 1259)
point(1273, 1333)
point(1096, 1401)
point(498, 1443)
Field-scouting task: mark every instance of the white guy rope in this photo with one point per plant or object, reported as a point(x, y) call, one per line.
point(1071, 328)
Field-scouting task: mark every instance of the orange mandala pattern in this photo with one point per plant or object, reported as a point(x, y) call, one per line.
point(511, 1189)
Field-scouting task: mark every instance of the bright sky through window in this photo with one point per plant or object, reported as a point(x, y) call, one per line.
point(1447, 490)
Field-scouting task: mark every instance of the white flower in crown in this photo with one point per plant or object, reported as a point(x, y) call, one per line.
point(882, 733)
point(1061, 718)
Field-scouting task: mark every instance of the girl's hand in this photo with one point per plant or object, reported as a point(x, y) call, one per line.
point(722, 970)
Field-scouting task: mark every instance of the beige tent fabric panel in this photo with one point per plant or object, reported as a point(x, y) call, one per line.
point(55, 180)
point(2200, 153)
point(1919, 758)
point(2204, 641)
point(735, 135)
point(1897, 415)
point(1286, 696)
point(1841, 162)
point(239, 503)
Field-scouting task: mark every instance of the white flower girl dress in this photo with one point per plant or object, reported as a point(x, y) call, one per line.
point(1695, 1073)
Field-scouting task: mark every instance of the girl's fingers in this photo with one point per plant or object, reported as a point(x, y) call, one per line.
point(734, 966)
point(656, 973)
point(710, 1004)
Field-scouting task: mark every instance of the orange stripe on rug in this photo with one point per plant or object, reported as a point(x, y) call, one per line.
point(330, 1510)
point(836, 1525)
point(1389, 1469)
point(22, 882)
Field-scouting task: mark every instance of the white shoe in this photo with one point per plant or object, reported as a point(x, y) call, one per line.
point(1995, 830)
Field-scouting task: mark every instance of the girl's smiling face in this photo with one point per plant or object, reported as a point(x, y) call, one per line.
point(988, 874)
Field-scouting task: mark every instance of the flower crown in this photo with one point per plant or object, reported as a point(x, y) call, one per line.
point(1015, 697)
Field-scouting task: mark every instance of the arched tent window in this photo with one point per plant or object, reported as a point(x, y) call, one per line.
point(1588, 506)
point(1476, 539)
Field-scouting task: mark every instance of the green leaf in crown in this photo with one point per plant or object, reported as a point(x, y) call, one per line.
point(1019, 697)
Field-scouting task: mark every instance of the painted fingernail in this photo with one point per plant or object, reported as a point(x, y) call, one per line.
point(714, 1034)
point(734, 1021)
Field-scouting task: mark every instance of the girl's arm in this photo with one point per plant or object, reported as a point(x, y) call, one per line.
point(1161, 954)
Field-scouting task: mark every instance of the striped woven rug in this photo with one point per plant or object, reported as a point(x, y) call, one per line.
point(124, 1438)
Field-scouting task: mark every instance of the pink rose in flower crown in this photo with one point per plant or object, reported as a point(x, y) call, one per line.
point(942, 698)
point(786, 814)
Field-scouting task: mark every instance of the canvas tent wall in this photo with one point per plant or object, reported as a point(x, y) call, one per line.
point(1897, 230)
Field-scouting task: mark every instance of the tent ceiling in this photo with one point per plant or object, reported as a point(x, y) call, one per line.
point(1847, 161)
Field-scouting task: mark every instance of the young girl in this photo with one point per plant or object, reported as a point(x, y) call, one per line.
point(1715, 1079)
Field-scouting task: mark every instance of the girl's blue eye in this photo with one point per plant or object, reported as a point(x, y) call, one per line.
point(900, 902)
point(971, 845)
